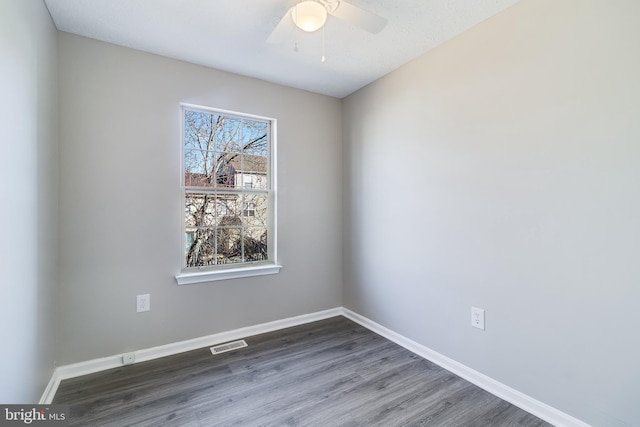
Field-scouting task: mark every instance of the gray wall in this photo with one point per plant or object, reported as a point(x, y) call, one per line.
point(29, 192)
point(499, 170)
point(502, 170)
point(120, 203)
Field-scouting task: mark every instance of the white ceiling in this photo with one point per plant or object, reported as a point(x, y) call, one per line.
point(230, 35)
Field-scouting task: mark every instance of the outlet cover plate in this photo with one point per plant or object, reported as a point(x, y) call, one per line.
point(477, 318)
point(143, 303)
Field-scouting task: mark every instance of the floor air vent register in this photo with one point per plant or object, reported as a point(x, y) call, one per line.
point(223, 348)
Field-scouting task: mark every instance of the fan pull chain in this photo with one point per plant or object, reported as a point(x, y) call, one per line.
point(296, 31)
point(323, 58)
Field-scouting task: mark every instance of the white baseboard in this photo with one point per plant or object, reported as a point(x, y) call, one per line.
point(50, 390)
point(115, 361)
point(521, 400)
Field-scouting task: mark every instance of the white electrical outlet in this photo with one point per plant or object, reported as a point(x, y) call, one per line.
point(477, 318)
point(143, 303)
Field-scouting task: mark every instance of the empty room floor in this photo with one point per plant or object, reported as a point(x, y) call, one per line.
point(332, 372)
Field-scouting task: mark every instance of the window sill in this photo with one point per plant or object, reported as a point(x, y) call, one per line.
point(235, 273)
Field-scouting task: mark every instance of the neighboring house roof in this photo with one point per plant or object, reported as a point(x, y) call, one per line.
point(250, 164)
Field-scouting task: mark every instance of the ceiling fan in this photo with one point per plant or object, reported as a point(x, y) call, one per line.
point(311, 15)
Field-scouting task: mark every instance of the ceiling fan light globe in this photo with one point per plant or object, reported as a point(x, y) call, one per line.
point(309, 15)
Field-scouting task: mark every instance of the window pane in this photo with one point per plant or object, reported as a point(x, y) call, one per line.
point(200, 210)
point(227, 169)
point(255, 138)
point(228, 135)
point(254, 210)
point(198, 161)
point(255, 244)
point(231, 205)
point(201, 250)
point(254, 171)
point(229, 245)
point(199, 168)
point(198, 129)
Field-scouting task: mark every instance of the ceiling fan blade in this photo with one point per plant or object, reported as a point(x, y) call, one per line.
point(283, 29)
point(359, 17)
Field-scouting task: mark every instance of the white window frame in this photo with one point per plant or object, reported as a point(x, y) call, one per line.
point(194, 275)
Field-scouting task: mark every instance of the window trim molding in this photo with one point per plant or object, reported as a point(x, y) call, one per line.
point(216, 273)
point(190, 278)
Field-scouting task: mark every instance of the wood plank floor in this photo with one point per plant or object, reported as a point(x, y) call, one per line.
point(328, 373)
